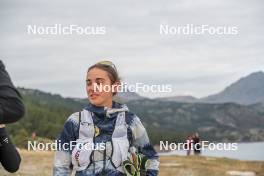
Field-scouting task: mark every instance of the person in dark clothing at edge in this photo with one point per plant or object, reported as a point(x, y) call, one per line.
point(104, 121)
point(197, 145)
point(11, 110)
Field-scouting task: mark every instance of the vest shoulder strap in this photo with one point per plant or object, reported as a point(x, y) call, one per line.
point(86, 125)
point(120, 129)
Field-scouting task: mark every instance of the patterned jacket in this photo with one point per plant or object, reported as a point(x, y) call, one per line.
point(104, 119)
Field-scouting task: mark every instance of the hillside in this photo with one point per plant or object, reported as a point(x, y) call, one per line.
point(164, 120)
point(217, 122)
point(247, 90)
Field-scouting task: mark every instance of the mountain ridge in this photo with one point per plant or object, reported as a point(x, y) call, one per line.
point(246, 90)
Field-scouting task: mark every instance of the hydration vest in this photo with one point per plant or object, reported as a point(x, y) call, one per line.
point(83, 154)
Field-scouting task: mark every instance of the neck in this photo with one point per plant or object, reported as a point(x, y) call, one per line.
point(108, 104)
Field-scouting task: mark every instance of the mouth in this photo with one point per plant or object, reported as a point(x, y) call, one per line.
point(94, 96)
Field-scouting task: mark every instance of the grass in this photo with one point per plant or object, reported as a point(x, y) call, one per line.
point(206, 166)
point(39, 163)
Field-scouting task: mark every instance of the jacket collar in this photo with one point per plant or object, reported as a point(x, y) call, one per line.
point(105, 111)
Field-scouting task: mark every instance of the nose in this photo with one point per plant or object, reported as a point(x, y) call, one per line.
point(93, 87)
point(89, 87)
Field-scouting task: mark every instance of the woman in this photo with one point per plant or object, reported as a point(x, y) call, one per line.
point(108, 139)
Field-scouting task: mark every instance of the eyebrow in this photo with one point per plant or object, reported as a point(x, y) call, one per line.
point(96, 79)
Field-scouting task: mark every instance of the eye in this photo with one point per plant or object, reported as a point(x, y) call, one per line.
point(88, 82)
point(99, 81)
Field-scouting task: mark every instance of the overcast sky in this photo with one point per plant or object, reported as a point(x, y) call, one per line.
point(196, 65)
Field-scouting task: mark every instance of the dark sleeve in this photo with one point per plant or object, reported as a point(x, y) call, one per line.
point(11, 105)
point(9, 156)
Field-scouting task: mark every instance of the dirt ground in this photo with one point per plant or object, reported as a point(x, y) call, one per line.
point(40, 164)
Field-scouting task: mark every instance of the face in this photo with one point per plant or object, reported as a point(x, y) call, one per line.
point(100, 78)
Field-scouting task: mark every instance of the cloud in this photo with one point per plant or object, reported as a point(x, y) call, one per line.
point(194, 64)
